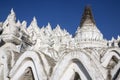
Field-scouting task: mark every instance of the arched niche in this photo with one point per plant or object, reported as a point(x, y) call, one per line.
point(31, 60)
point(76, 76)
point(111, 61)
point(28, 75)
point(75, 71)
point(76, 61)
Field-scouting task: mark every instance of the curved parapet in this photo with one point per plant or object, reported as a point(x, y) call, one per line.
point(111, 61)
point(112, 52)
point(28, 59)
point(76, 61)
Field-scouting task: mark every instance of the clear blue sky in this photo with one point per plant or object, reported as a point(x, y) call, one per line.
point(66, 13)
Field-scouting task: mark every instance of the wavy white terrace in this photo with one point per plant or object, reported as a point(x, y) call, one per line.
point(34, 53)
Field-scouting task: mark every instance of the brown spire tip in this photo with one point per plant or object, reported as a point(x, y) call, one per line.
point(87, 15)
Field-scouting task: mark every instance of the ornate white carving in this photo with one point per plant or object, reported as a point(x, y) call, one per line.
point(54, 53)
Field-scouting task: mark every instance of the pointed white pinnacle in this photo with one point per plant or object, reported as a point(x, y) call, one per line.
point(34, 19)
point(12, 11)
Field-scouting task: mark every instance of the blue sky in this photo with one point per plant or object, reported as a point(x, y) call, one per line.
point(66, 13)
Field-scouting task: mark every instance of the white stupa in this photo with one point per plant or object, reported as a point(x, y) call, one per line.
point(88, 35)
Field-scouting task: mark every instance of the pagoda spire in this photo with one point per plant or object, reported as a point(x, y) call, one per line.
point(87, 16)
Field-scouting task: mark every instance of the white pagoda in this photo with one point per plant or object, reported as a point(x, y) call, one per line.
point(34, 53)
